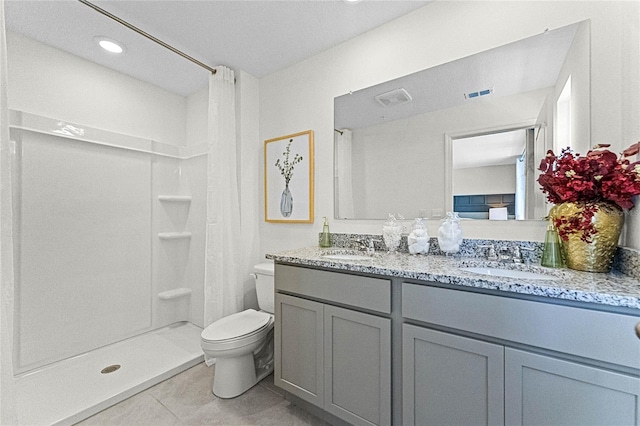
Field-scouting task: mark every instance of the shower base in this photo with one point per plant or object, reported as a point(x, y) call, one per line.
point(74, 389)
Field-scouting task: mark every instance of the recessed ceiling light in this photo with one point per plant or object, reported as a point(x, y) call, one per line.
point(109, 44)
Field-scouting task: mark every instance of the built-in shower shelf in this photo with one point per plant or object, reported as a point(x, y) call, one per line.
point(175, 198)
point(175, 293)
point(174, 235)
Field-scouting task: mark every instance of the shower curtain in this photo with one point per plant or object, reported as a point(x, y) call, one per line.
point(223, 289)
point(343, 173)
point(7, 401)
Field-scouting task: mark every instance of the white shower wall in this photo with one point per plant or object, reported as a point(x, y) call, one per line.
point(90, 261)
point(83, 239)
point(179, 262)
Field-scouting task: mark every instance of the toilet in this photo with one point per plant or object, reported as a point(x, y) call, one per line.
point(242, 343)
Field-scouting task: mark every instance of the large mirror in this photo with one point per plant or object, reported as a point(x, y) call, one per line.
point(465, 136)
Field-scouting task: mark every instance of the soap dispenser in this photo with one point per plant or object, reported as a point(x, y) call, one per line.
point(325, 237)
point(551, 251)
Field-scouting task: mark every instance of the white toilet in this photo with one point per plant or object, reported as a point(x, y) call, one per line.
point(242, 343)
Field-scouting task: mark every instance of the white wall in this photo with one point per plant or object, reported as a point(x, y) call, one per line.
point(576, 65)
point(49, 82)
point(197, 117)
point(485, 180)
point(300, 97)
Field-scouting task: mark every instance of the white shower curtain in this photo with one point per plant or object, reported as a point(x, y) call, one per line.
point(343, 173)
point(7, 385)
point(223, 287)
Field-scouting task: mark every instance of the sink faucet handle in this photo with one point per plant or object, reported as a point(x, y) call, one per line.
point(372, 247)
point(491, 251)
point(518, 255)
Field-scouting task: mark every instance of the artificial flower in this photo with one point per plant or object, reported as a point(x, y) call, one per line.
point(595, 177)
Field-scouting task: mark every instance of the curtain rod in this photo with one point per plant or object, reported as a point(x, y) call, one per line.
point(147, 35)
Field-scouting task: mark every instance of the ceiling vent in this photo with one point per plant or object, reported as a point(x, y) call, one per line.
point(394, 97)
point(477, 94)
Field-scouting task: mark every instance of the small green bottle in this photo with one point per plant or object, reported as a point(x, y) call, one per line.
point(552, 250)
point(325, 237)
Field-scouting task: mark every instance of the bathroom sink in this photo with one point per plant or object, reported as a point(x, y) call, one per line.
point(347, 257)
point(509, 273)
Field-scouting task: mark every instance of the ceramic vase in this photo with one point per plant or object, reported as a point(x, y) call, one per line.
point(597, 254)
point(286, 202)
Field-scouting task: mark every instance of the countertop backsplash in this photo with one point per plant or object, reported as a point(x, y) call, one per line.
point(625, 260)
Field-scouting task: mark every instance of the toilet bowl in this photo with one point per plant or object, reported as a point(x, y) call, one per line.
point(242, 343)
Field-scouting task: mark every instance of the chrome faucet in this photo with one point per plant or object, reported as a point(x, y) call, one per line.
point(505, 255)
point(367, 245)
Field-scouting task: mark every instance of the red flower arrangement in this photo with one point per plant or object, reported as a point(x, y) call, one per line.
point(598, 176)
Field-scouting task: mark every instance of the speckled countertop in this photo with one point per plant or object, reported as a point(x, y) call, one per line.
point(613, 289)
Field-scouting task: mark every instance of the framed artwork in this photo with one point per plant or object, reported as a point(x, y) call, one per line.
point(288, 178)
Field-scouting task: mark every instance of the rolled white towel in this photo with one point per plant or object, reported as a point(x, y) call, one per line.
point(418, 244)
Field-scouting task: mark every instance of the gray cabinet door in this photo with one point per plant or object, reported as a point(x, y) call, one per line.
point(544, 390)
point(451, 380)
point(298, 348)
point(357, 355)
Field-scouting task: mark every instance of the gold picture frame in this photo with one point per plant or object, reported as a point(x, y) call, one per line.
point(288, 178)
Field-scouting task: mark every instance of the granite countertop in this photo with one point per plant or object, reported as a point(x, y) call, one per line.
point(612, 289)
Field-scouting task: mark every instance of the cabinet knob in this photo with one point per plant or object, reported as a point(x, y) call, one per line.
point(638, 330)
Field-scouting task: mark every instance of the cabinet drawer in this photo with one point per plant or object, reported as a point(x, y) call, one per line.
point(604, 336)
point(364, 292)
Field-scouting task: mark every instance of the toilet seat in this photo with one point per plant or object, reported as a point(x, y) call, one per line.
point(238, 326)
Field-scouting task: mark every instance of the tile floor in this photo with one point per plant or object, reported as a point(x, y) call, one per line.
point(186, 399)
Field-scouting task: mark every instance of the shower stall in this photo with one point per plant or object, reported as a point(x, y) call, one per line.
point(109, 189)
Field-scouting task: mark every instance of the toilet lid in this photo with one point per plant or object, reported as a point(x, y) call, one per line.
point(236, 325)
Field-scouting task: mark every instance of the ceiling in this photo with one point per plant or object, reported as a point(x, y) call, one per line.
point(503, 148)
point(258, 37)
point(522, 66)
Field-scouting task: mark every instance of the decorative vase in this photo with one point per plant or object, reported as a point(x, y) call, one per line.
point(392, 233)
point(392, 236)
point(286, 202)
point(450, 234)
point(597, 254)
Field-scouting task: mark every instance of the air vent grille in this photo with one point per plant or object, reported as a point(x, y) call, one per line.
point(477, 94)
point(394, 97)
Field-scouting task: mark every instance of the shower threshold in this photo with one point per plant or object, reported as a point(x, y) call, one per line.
point(74, 389)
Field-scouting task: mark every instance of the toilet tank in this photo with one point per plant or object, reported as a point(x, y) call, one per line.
point(265, 287)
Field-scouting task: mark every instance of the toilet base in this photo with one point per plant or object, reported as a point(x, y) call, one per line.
point(234, 376)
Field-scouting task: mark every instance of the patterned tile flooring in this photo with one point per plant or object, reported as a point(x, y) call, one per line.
point(186, 399)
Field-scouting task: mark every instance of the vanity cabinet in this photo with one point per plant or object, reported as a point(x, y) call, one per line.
point(335, 357)
point(546, 390)
point(299, 333)
point(448, 379)
point(531, 363)
point(459, 355)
